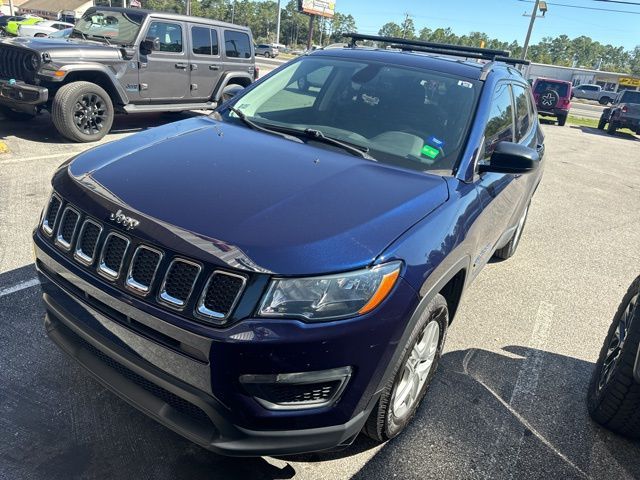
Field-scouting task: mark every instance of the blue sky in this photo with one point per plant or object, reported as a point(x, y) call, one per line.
point(502, 19)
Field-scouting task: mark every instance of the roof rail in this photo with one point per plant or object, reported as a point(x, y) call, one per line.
point(439, 48)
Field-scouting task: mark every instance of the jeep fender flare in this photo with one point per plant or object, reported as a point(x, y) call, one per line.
point(113, 87)
point(228, 78)
point(446, 271)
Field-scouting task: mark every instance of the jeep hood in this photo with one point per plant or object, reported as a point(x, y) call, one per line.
point(250, 200)
point(67, 48)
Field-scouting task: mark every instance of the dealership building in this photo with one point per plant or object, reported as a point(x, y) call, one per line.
point(611, 81)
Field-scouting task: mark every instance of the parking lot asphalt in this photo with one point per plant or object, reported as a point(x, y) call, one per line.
point(507, 402)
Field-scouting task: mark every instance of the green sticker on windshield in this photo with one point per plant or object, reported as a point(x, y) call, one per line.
point(429, 151)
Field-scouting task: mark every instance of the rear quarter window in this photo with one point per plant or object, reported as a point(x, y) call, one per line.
point(237, 44)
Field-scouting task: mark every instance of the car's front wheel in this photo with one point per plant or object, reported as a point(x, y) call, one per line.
point(604, 101)
point(613, 398)
point(82, 112)
point(412, 373)
point(267, 55)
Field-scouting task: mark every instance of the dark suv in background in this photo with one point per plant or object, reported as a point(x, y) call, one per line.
point(119, 60)
point(624, 112)
point(279, 276)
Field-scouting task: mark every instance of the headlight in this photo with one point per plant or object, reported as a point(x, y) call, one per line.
point(31, 63)
point(331, 296)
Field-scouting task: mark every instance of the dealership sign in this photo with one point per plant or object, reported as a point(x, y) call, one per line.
point(629, 82)
point(325, 8)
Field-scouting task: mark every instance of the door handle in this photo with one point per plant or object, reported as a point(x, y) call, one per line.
point(214, 67)
point(182, 66)
point(194, 66)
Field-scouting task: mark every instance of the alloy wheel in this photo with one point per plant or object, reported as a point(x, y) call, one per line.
point(406, 391)
point(616, 344)
point(90, 113)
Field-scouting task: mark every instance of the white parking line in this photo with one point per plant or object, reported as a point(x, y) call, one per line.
point(20, 286)
point(41, 157)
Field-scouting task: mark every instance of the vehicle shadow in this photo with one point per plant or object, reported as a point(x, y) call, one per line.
point(40, 129)
point(595, 131)
point(517, 413)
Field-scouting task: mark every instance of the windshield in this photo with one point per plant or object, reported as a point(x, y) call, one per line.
point(561, 89)
point(109, 26)
point(630, 97)
point(411, 118)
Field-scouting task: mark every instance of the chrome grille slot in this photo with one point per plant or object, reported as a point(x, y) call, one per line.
point(220, 295)
point(112, 256)
point(87, 242)
point(51, 215)
point(67, 228)
point(143, 269)
point(178, 283)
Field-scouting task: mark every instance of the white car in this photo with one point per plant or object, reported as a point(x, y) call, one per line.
point(42, 29)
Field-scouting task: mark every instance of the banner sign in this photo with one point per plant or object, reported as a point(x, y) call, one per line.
point(324, 8)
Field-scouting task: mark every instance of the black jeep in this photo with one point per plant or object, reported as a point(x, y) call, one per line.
point(120, 60)
point(624, 112)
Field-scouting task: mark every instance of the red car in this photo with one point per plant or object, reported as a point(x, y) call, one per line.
point(553, 98)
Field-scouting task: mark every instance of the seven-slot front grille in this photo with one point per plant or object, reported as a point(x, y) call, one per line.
point(142, 269)
point(14, 63)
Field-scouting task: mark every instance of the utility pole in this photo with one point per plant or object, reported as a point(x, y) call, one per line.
point(233, 10)
point(278, 24)
point(310, 36)
point(188, 7)
point(12, 10)
point(543, 8)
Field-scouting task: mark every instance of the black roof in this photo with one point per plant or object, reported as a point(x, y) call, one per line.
point(168, 15)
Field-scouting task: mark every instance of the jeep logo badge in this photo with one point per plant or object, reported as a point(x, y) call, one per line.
point(127, 222)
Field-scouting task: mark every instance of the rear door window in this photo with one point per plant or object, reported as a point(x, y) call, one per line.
point(562, 89)
point(237, 44)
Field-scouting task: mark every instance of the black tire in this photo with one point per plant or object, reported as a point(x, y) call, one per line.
point(562, 120)
point(382, 424)
point(267, 55)
point(602, 122)
point(16, 116)
point(611, 129)
point(613, 399)
point(510, 248)
point(604, 101)
point(39, 35)
point(81, 126)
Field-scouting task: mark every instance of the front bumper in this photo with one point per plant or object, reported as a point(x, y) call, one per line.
point(189, 382)
point(22, 96)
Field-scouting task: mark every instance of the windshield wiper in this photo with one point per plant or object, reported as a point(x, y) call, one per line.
point(82, 34)
point(318, 136)
point(106, 39)
point(254, 126)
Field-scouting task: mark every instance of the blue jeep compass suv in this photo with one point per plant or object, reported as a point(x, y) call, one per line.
point(280, 276)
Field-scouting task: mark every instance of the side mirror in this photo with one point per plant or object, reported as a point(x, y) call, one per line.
point(148, 45)
point(231, 91)
point(511, 158)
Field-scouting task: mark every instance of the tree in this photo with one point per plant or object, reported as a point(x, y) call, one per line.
point(390, 29)
point(408, 28)
point(341, 24)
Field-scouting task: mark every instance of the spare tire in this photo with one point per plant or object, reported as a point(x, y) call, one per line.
point(548, 99)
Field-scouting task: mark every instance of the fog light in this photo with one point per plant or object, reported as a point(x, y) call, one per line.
point(296, 391)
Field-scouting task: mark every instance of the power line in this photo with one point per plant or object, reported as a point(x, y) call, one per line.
point(619, 1)
point(584, 8)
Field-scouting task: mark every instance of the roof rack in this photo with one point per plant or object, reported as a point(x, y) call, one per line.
point(440, 48)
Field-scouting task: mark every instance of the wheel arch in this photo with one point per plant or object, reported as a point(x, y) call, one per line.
point(243, 79)
point(101, 77)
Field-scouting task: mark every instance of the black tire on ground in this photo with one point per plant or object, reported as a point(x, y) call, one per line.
point(611, 129)
point(562, 119)
point(267, 55)
point(73, 110)
point(602, 122)
point(604, 101)
point(382, 424)
point(39, 35)
point(16, 116)
point(510, 248)
point(613, 398)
